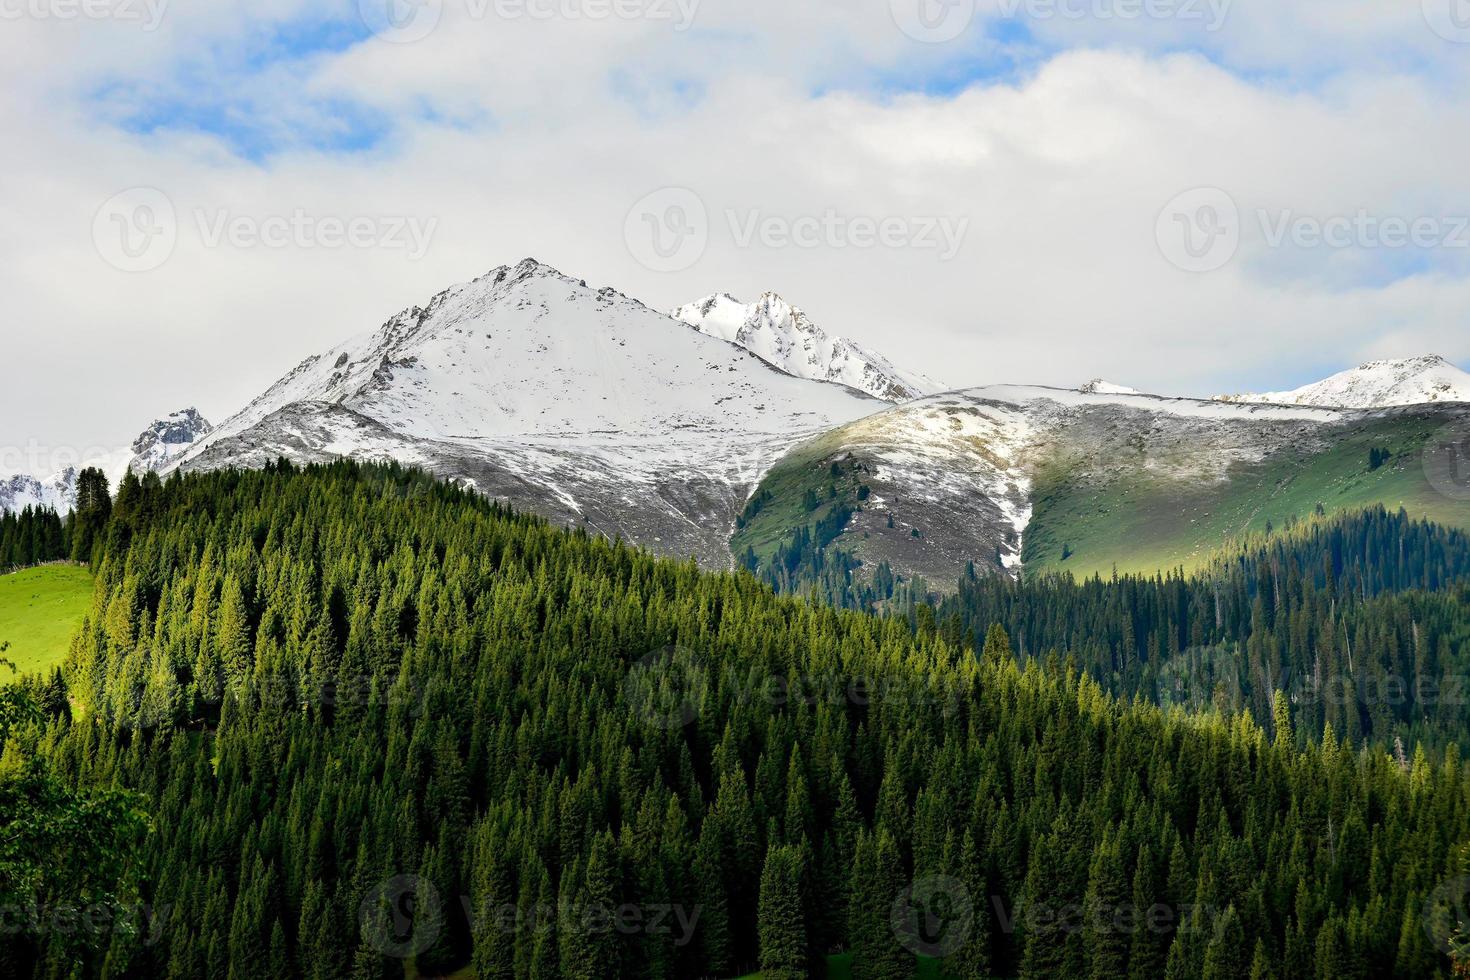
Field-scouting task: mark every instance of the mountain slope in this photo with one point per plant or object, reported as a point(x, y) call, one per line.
point(783, 336)
point(57, 492)
point(1087, 482)
point(579, 404)
point(1377, 384)
point(155, 448)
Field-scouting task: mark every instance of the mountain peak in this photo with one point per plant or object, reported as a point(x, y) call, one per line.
point(1377, 384)
point(525, 269)
point(1101, 386)
point(783, 336)
point(168, 438)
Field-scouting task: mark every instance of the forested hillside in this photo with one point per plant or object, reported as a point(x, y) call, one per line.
point(378, 720)
point(1363, 621)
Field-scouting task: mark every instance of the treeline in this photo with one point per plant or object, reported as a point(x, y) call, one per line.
point(1335, 614)
point(37, 535)
point(379, 719)
point(31, 537)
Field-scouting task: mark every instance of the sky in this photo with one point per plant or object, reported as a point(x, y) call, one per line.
point(1185, 196)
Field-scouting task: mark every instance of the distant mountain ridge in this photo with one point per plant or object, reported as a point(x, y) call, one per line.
point(785, 337)
point(155, 449)
point(731, 430)
point(1376, 384)
point(579, 404)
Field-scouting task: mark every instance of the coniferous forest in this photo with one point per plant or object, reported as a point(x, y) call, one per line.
point(345, 721)
point(32, 537)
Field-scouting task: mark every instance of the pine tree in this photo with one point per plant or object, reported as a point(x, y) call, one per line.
point(782, 923)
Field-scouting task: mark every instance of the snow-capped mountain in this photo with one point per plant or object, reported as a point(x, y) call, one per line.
point(154, 449)
point(576, 403)
point(1377, 384)
point(57, 492)
point(167, 439)
point(590, 409)
point(783, 336)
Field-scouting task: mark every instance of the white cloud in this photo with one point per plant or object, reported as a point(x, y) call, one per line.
point(536, 138)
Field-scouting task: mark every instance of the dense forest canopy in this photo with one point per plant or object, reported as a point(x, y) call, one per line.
point(1362, 620)
point(376, 720)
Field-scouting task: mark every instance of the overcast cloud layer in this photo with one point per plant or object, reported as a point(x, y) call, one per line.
point(1187, 196)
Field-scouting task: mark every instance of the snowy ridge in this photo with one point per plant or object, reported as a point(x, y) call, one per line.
point(58, 492)
point(1377, 384)
point(577, 403)
point(153, 450)
point(784, 337)
point(166, 440)
point(527, 351)
point(951, 476)
point(1100, 386)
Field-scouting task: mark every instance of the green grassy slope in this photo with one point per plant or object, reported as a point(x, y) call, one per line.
point(1141, 523)
point(1116, 512)
point(39, 609)
point(778, 507)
